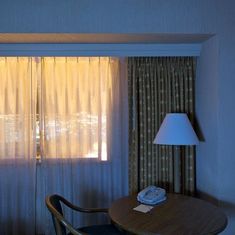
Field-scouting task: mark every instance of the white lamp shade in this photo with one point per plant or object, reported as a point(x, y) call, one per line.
point(176, 129)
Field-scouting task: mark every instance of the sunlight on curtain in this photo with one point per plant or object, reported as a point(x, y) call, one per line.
point(85, 108)
point(17, 146)
point(16, 108)
point(74, 112)
point(76, 101)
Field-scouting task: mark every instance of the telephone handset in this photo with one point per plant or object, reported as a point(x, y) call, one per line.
point(152, 195)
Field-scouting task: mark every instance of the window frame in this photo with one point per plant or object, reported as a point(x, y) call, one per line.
point(101, 49)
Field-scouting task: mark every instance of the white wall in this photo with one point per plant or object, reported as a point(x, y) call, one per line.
point(226, 124)
point(107, 16)
point(215, 90)
point(206, 91)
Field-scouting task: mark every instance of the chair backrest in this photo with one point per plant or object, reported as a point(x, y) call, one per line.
point(53, 203)
point(54, 206)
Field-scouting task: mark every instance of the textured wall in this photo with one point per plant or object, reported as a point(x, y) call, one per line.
point(207, 118)
point(108, 16)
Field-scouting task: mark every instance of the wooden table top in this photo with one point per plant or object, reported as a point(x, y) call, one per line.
point(178, 215)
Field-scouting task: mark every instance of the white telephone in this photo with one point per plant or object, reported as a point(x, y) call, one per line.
point(152, 195)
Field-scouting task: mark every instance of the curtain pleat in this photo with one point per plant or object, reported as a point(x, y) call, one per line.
point(158, 85)
point(17, 146)
point(78, 107)
point(84, 152)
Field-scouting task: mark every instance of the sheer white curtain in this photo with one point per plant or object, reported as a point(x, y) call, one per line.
point(84, 135)
point(76, 101)
point(17, 146)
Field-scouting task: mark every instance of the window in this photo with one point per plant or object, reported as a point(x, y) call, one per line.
point(63, 105)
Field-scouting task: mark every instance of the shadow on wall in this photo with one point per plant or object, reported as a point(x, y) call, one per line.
point(229, 210)
point(91, 199)
point(16, 226)
point(227, 207)
point(208, 198)
point(198, 130)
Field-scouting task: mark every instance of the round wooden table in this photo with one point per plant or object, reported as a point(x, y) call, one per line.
point(178, 215)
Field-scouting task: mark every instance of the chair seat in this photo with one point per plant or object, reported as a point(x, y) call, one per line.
point(104, 229)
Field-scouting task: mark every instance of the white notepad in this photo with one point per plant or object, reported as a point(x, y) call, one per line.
point(143, 208)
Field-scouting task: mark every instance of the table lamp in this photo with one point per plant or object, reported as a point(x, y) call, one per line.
point(176, 129)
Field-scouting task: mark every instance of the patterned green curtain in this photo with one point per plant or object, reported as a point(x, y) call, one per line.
point(159, 85)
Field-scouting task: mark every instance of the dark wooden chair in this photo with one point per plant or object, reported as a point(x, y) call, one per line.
point(62, 226)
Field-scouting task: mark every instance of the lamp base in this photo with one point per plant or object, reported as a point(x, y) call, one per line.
point(177, 169)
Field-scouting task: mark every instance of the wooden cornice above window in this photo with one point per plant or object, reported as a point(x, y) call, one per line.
point(119, 45)
point(40, 38)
